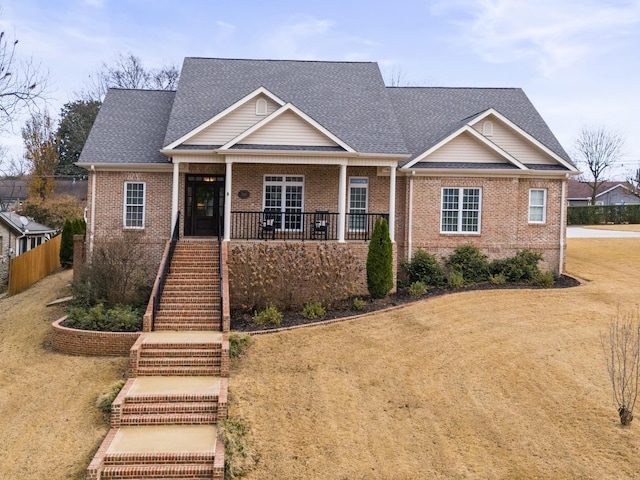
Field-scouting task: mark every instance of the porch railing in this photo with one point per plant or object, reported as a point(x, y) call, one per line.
point(175, 236)
point(300, 226)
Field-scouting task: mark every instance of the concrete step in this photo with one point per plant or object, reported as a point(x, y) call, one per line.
point(181, 352)
point(181, 361)
point(169, 418)
point(114, 459)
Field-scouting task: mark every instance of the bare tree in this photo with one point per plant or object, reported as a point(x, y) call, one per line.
point(22, 84)
point(13, 171)
point(41, 150)
point(598, 149)
point(128, 71)
point(633, 179)
point(622, 354)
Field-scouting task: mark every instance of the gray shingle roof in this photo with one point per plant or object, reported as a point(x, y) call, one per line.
point(427, 115)
point(346, 98)
point(129, 128)
point(12, 219)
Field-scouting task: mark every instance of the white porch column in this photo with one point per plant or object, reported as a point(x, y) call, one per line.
point(410, 218)
point(342, 202)
point(227, 200)
point(392, 205)
point(174, 195)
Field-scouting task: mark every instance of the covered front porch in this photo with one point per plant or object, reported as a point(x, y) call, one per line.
point(334, 201)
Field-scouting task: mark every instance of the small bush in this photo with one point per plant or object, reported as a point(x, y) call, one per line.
point(106, 398)
point(269, 316)
point(425, 268)
point(543, 279)
point(470, 262)
point(417, 288)
point(522, 267)
point(239, 454)
point(358, 304)
point(455, 279)
point(313, 310)
point(119, 318)
point(239, 343)
point(380, 261)
point(497, 279)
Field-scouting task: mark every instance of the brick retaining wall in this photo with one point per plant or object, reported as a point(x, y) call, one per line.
point(88, 342)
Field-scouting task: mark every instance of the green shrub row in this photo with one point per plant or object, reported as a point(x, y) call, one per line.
point(119, 318)
point(467, 265)
point(603, 214)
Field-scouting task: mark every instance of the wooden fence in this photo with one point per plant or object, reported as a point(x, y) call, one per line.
point(37, 263)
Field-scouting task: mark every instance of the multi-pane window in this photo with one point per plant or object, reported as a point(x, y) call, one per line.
point(537, 205)
point(134, 205)
point(358, 203)
point(460, 210)
point(285, 195)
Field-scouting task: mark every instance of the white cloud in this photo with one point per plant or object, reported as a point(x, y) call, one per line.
point(554, 35)
point(299, 39)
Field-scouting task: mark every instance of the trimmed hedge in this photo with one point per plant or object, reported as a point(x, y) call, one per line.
point(603, 214)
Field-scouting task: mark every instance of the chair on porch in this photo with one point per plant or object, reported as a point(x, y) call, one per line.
point(268, 224)
point(320, 224)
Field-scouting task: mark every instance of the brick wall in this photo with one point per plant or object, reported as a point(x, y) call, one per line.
point(505, 228)
point(86, 342)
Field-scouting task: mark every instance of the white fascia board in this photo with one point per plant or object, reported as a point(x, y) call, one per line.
point(477, 173)
point(530, 138)
point(287, 108)
point(475, 134)
point(129, 167)
point(225, 112)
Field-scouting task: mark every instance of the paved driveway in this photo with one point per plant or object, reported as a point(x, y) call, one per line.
point(581, 232)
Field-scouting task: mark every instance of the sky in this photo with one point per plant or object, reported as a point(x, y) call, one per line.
point(577, 60)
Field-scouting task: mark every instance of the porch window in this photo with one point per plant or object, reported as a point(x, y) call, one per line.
point(358, 203)
point(134, 204)
point(537, 205)
point(285, 195)
point(460, 210)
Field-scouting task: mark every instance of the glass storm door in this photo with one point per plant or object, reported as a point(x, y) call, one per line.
point(204, 205)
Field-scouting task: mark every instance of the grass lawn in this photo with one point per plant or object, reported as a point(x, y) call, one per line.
point(634, 227)
point(49, 427)
point(482, 384)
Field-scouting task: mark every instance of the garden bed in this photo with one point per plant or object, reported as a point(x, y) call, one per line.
point(242, 321)
point(90, 342)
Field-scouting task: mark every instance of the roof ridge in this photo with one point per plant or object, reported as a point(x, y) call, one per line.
point(428, 87)
point(289, 60)
point(122, 89)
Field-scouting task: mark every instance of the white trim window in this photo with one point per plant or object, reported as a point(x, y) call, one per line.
point(284, 194)
point(461, 210)
point(358, 203)
point(134, 203)
point(538, 205)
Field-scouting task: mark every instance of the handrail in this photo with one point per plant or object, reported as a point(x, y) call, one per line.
point(175, 236)
point(220, 233)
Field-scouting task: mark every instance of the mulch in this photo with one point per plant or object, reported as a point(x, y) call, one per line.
point(242, 321)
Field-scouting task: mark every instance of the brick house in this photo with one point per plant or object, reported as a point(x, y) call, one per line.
point(304, 151)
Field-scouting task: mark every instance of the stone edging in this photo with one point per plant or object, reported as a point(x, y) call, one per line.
point(361, 315)
point(89, 342)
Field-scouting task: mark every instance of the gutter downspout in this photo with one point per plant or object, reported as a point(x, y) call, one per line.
point(410, 218)
point(92, 227)
point(562, 226)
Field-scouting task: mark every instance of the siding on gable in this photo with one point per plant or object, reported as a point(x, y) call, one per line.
point(513, 143)
point(233, 124)
point(465, 148)
point(288, 129)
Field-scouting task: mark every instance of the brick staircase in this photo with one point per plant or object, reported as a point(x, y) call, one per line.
point(163, 420)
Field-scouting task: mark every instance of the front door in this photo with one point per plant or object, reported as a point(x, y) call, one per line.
point(204, 205)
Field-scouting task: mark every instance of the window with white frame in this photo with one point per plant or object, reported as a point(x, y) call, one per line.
point(134, 204)
point(358, 203)
point(537, 205)
point(461, 209)
point(285, 195)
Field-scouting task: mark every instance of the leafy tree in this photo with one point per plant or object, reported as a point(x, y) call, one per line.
point(22, 84)
point(41, 151)
point(128, 71)
point(380, 261)
point(598, 149)
point(76, 120)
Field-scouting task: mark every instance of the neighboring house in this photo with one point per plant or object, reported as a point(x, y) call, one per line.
point(255, 150)
point(608, 193)
point(18, 235)
point(13, 191)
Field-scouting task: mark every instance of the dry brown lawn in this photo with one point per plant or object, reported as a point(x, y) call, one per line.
point(49, 426)
point(506, 384)
point(625, 228)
